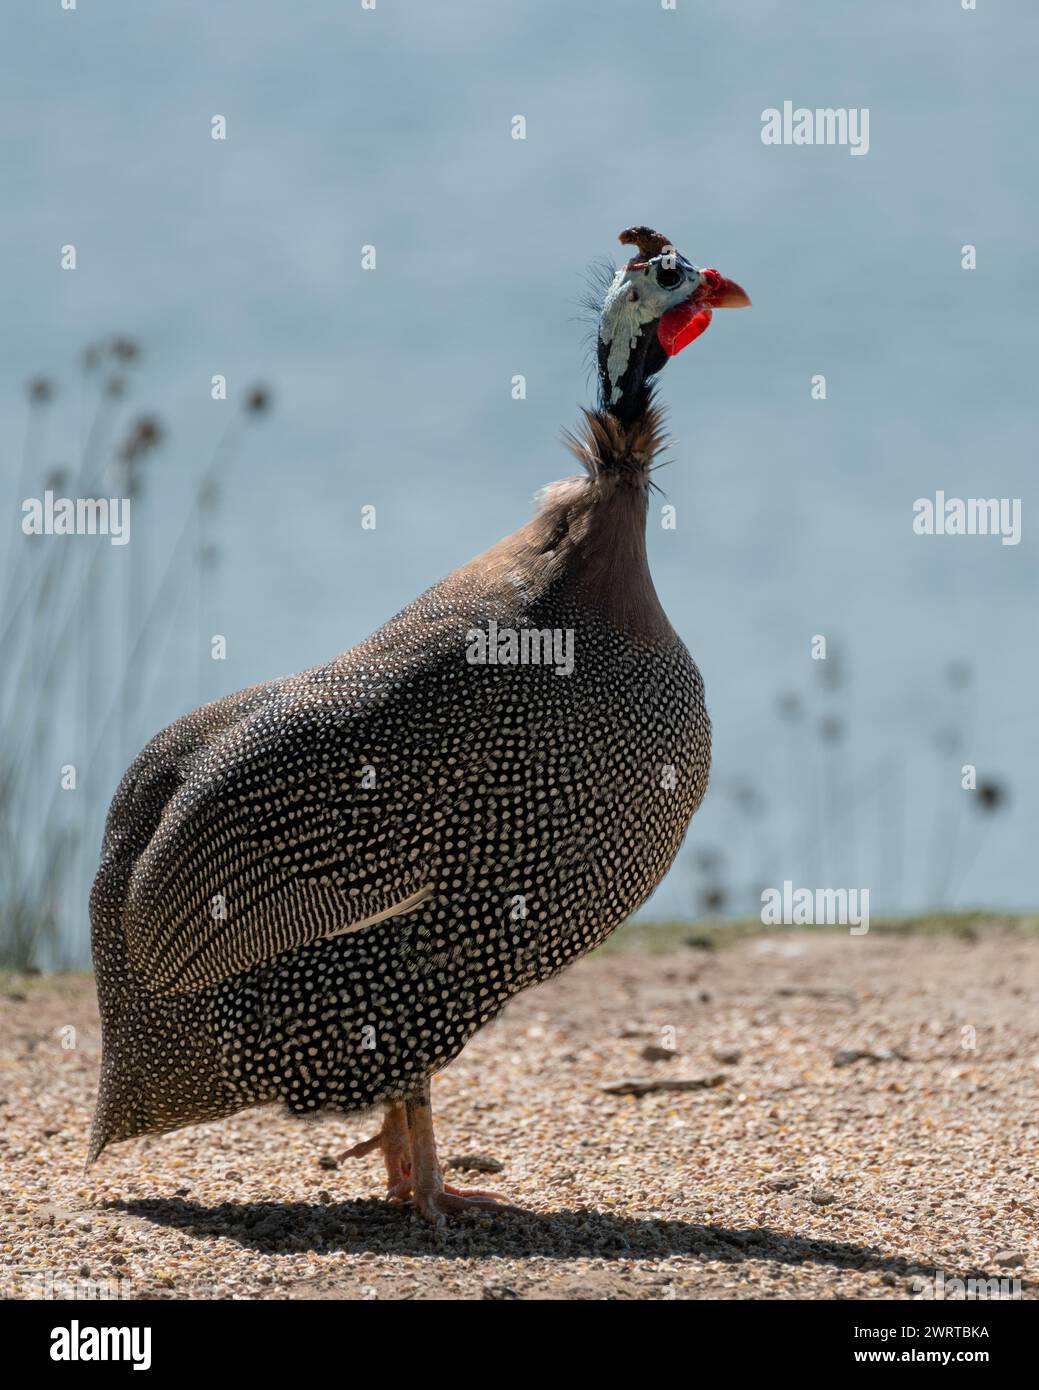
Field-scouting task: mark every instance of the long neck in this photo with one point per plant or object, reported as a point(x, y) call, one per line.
point(608, 566)
point(588, 541)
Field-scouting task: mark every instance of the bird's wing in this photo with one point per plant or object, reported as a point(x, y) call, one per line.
point(285, 830)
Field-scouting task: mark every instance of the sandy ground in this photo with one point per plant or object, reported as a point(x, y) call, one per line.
point(796, 1173)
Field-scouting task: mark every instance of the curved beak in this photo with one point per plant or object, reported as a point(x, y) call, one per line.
point(720, 293)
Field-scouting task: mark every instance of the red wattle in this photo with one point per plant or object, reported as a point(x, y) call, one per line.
point(680, 326)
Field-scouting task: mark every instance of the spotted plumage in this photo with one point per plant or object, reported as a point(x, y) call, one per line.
point(315, 891)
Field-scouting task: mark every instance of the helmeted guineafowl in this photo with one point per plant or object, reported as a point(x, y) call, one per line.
point(315, 891)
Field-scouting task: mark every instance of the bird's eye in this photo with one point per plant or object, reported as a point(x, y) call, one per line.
point(669, 279)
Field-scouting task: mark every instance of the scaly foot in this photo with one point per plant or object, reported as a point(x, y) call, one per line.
point(434, 1199)
point(439, 1202)
point(394, 1144)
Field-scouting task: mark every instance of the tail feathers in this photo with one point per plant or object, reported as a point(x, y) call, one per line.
point(101, 1135)
point(98, 1141)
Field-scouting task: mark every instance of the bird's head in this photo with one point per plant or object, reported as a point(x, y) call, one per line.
point(656, 305)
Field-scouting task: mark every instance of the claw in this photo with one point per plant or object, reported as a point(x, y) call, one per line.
point(473, 1192)
point(436, 1206)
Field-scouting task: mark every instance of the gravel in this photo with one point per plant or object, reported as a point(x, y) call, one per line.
point(785, 1177)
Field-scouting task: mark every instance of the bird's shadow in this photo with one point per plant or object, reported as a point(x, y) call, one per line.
point(367, 1226)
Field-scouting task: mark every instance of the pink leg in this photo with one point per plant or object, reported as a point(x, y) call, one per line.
point(433, 1199)
point(395, 1146)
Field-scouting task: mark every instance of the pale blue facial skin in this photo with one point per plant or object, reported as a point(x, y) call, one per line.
point(634, 300)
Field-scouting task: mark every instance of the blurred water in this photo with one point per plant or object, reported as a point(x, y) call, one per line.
point(392, 127)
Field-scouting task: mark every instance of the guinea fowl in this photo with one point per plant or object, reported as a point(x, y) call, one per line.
point(316, 891)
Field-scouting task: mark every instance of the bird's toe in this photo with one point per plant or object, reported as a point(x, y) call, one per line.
point(436, 1206)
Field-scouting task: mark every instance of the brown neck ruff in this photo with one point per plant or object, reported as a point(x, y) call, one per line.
point(588, 541)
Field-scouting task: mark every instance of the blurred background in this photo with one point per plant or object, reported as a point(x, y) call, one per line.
point(392, 128)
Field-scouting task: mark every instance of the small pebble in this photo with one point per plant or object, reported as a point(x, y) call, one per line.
point(474, 1163)
point(1009, 1259)
point(728, 1056)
